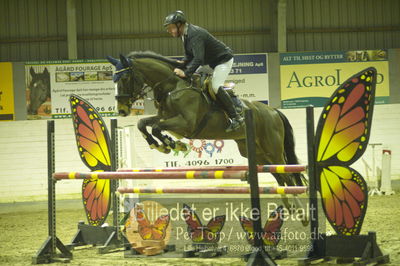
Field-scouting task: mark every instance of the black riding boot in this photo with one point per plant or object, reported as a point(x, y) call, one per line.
point(228, 105)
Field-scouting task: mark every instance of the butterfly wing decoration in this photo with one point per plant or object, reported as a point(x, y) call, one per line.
point(93, 143)
point(272, 228)
point(199, 233)
point(342, 136)
point(195, 228)
point(148, 231)
point(211, 232)
point(160, 227)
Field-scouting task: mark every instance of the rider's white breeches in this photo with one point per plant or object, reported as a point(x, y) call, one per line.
point(220, 74)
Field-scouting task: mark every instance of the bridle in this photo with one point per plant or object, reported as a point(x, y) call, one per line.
point(143, 91)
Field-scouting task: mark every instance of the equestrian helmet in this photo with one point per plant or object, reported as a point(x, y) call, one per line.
point(175, 17)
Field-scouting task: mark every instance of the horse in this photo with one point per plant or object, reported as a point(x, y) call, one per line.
point(184, 111)
point(39, 88)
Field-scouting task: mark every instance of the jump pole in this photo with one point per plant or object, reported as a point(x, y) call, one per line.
point(260, 168)
point(153, 175)
point(212, 190)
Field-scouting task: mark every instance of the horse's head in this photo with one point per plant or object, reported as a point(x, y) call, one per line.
point(129, 84)
point(39, 90)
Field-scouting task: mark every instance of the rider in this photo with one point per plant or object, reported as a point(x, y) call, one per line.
point(201, 48)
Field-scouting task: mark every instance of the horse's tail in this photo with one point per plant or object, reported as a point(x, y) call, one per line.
point(290, 153)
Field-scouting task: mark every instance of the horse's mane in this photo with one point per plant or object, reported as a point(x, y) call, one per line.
point(150, 54)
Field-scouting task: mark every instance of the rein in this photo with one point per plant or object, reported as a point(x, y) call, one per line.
point(146, 88)
point(164, 80)
point(163, 93)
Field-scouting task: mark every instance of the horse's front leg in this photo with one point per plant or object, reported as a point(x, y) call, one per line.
point(142, 126)
point(172, 124)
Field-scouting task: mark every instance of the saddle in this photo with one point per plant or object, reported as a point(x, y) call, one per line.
point(203, 83)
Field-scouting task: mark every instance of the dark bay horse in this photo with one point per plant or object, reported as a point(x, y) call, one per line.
point(39, 90)
point(184, 111)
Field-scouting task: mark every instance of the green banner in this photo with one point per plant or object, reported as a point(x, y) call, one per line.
point(309, 78)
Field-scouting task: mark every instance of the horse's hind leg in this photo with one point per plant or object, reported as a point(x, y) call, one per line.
point(241, 143)
point(294, 205)
point(283, 179)
point(275, 153)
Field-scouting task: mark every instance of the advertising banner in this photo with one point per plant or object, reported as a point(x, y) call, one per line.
point(6, 92)
point(250, 74)
point(310, 78)
point(201, 152)
point(50, 83)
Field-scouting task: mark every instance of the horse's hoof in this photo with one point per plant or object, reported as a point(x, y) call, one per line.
point(303, 216)
point(180, 146)
point(305, 222)
point(153, 146)
point(163, 149)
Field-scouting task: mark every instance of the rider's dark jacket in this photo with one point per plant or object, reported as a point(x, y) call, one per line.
point(201, 48)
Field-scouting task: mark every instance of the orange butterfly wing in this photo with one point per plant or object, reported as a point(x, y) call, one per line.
point(344, 194)
point(144, 226)
point(272, 228)
point(342, 136)
point(195, 227)
point(247, 226)
point(199, 233)
point(159, 228)
point(211, 232)
point(93, 143)
point(148, 231)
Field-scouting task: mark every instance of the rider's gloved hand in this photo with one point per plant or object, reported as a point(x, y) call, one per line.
point(179, 72)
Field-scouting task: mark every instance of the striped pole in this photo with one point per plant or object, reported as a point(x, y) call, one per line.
point(295, 168)
point(153, 175)
point(213, 190)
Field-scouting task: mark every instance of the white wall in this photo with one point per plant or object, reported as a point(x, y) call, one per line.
point(23, 152)
point(23, 159)
point(385, 130)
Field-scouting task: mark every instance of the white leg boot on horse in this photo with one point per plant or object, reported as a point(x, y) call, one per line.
point(229, 107)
